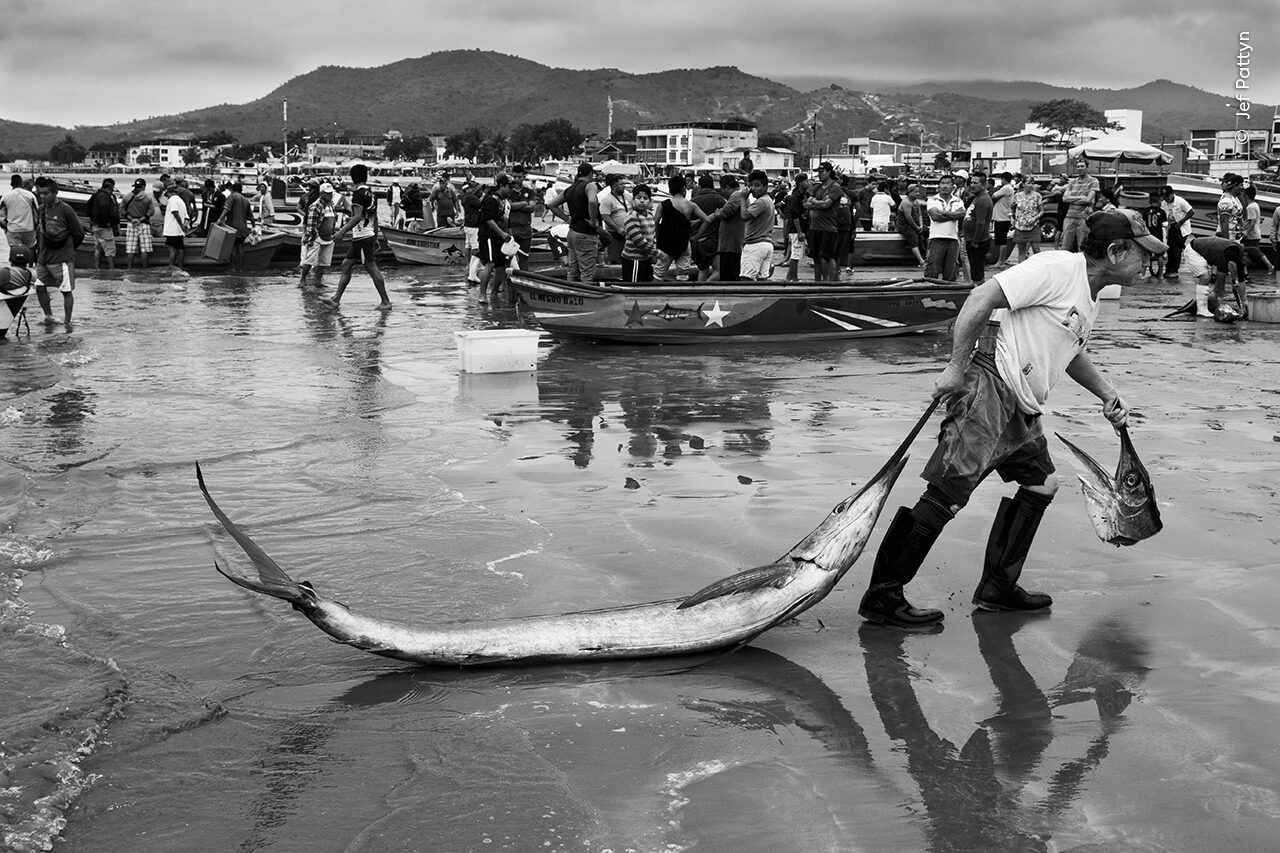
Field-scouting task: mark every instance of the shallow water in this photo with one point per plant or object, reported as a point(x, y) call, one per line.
point(151, 705)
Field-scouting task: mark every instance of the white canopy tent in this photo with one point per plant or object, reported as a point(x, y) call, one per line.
point(1117, 149)
point(614, 167)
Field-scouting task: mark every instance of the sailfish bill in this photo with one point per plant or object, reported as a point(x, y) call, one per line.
point(1122, 507)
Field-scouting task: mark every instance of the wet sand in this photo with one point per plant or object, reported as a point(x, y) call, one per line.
point(1137, 716)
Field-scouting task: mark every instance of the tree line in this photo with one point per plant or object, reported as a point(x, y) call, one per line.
point(526, 143)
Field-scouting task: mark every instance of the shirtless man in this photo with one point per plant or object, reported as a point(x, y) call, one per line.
point(674, 225)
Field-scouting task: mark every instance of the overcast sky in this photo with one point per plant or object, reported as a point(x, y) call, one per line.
point(68, 62)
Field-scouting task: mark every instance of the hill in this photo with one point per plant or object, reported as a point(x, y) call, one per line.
point(448, 91)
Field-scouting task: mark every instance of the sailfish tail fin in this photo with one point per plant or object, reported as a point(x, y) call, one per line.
point(272, 580)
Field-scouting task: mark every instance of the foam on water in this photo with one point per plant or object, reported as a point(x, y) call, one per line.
point(59, 702)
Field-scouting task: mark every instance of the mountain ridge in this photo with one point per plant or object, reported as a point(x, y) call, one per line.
point(447, 91)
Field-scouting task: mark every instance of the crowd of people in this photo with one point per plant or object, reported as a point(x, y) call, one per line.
point(970, 223)
point(704, 228)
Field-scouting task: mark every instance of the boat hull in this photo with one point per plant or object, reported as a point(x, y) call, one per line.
point(257, 256)
point(871, 248)
point(445, 247)
point(436, 247)
point(738, 312)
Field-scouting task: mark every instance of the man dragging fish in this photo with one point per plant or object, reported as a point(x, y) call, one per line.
point(1017, 334)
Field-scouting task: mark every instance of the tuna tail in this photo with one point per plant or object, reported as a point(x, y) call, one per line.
point(272, 579)
point(1188, 308)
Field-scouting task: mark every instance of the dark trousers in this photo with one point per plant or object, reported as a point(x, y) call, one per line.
point(1174, 257)
point(636, 270)
point(730, 266)
point(942, 258)
point(977, 253)
point(844, 242)
point(1253, 257)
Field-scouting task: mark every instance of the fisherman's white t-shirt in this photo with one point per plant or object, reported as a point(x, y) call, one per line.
point(1050, 317)
point(175, 227)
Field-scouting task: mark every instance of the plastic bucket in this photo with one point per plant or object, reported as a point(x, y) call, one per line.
point(1264, 307)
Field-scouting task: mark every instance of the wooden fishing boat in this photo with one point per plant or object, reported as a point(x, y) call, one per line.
point(743, 311)
point(871, 248)
point(290, 252)
point(437, 246)
point(257, 256)
point(444, 246)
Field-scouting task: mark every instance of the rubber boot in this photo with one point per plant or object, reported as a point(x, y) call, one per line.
point(1011, 534)
point(904, 548)
point(1203, 292)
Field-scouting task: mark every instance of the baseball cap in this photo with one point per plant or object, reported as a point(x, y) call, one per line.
point(139, 183)
point(19, 254)
point(326, 187)
point(1123, 224)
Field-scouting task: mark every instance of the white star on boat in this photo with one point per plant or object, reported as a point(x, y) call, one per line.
point(715, 315)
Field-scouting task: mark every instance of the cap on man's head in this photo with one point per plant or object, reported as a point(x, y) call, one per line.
point(139, 183)
point(1231, 179)
point(326, 187)
point(1123, 224)
point(585, 169)
point(826, 165)
point(19, 255)
point(1166, 190)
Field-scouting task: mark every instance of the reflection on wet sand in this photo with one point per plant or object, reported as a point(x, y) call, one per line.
point(519, 713)
point(658, 401)
point(975, 797)
point(674, 759)
point(68, 410)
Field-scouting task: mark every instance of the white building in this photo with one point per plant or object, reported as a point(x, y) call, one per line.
point(1128, 124)
point(341, 150)
point(161, 153)
point(997, 154)
point(1230, 144)
point(687, 143)
point(776, 162)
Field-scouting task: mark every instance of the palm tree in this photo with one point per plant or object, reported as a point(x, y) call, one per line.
point(498, 148)
point(468, 144)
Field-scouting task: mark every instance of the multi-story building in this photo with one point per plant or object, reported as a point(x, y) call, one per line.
point(161, 153)
point(687, 143)
point(1231, 144)
point(341, 149)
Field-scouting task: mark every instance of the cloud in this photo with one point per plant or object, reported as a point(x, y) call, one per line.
point(125, 59)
